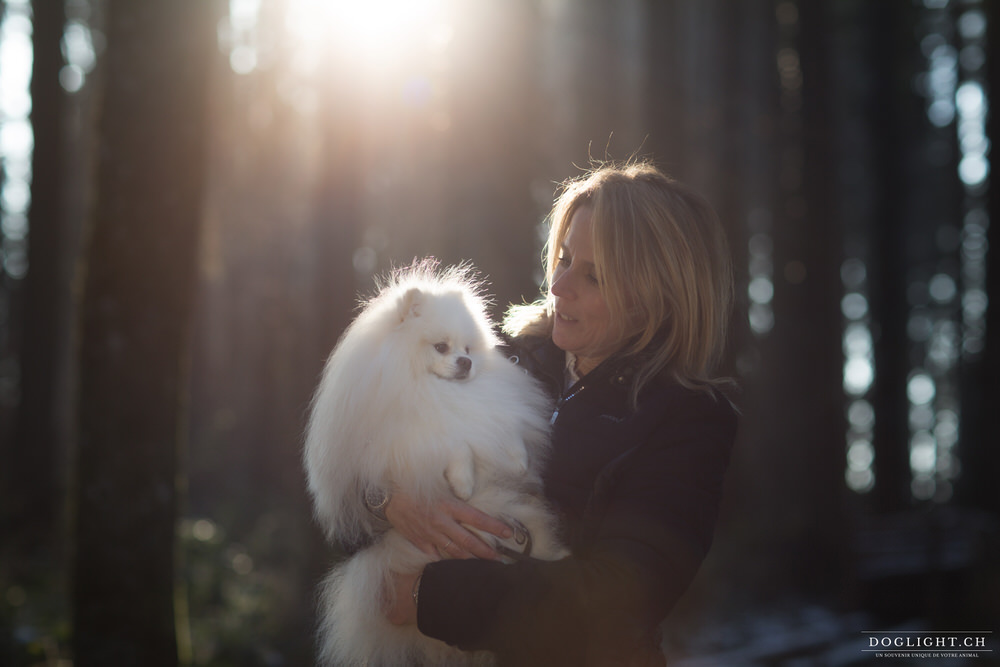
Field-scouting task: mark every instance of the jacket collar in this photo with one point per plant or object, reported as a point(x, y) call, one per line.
point(551, 365)
point(540, 356)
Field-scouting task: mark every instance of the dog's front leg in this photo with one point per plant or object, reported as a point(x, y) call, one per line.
point(518, 454)
point(461, 474)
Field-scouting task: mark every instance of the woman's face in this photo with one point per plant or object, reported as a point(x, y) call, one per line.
point(582, 320)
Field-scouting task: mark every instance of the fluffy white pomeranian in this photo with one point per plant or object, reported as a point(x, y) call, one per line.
point(416, 397)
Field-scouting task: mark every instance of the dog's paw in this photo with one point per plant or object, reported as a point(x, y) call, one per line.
point(519, 456)
point(461, 477)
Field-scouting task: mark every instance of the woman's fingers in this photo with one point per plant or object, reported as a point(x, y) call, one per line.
point(470, 516)
point(441, 530)
point(464, 544)
point(469, 543)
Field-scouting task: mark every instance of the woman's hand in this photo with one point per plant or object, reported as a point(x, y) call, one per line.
point(438, 529)
point(398, 604)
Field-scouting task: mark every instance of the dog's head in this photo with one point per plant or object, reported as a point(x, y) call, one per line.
point(446, 330)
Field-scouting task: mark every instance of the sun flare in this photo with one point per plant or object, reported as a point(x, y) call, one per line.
point(374, 34)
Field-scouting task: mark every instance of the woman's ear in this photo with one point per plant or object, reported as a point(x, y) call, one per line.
point(409, 304)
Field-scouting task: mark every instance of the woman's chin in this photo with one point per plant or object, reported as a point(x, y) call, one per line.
point(561, 339)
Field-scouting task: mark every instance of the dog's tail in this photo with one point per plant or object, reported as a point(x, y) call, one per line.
point(353, 630)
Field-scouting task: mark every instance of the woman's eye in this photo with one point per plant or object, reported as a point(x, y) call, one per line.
point(563, 260)
point(592, 278)
point(442, 348)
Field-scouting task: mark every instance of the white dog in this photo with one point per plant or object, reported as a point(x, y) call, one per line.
point(415, 397)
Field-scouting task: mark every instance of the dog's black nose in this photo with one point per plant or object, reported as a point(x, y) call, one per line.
point(464, 364)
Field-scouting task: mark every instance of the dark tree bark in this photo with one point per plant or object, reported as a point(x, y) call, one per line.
point(897, 118)
point(807, 339)
point(33, 476)
point(140, 266)
point(494, 226)
point(981, 391)
point(789, 462)
point(664, 46)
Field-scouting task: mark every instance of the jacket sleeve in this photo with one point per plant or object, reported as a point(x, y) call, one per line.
point(648, 538)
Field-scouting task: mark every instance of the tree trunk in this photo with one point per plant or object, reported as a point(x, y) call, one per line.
point(140, 266)
point(980, 428)
point(898, 120)
point(33, 476)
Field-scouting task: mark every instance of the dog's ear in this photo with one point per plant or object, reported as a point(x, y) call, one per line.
point(409, 304)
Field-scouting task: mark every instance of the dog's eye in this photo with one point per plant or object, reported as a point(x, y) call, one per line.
point(442, 348)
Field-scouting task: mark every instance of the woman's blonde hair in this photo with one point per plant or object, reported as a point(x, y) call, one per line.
point(663, 266)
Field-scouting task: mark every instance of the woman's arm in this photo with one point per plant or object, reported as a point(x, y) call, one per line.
point(646, 543)
point(439, 530)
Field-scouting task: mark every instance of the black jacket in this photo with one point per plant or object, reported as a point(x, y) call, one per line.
point(638, 493)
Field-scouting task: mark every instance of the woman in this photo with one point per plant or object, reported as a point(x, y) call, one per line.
point(634, 322)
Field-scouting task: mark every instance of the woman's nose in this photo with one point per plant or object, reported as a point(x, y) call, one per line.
point(561, 285)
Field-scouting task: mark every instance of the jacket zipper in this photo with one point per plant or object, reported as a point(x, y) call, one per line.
point(565, 399)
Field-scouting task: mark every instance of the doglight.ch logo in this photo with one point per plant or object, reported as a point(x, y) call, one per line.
point(922, 644)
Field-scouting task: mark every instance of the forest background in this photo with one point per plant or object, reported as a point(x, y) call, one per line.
point(194, 193)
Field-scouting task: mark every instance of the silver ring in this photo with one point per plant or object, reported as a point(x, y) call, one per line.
point(445, 547)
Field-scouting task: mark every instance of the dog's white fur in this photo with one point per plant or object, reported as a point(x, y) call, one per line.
point(416, 397)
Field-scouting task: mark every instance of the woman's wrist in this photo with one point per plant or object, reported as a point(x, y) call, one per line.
point(402, 601)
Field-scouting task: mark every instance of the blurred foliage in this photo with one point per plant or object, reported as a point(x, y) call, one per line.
point(239, 601)
point(236, 589)
point(34, 619)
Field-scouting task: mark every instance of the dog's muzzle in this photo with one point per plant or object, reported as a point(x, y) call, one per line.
point(464, 368)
